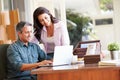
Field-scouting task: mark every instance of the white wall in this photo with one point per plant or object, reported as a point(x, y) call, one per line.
point(106, 33)
point(29, 8)
point(83, 6)
point(110, 33)
point(31, 5)
point(1, 5)
point(117, 19)
point(61, 8)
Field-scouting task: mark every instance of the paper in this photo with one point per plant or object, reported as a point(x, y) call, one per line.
point(91, 49)
point(109, 63)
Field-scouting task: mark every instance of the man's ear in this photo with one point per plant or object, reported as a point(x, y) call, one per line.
point(18, 32)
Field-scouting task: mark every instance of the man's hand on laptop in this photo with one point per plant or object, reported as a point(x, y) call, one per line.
point(45, 62)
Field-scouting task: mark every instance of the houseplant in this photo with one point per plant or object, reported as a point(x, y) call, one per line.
point(114, 48)
point(81, 27)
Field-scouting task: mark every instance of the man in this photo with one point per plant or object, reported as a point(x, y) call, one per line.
point(23, 55)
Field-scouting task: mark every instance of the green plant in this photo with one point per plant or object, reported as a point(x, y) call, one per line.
point(76, 32)
point(114, 46)
point(106, 5)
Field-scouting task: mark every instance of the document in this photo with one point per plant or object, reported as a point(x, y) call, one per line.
point(109, 63)
point(91, 48)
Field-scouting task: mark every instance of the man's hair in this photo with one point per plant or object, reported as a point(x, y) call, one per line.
point(21, 24)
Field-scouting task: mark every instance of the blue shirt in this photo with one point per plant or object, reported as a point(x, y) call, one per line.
point(18, 53)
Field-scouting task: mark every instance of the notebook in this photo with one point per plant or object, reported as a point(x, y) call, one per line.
point(109, 63)
point(62, 56)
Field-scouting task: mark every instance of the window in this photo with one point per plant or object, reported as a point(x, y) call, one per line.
point(103, 21)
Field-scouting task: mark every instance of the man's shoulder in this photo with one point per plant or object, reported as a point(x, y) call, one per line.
point(13, 45)
point(34, 44)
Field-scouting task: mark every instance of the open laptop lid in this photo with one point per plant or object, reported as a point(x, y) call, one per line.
point(63, 55)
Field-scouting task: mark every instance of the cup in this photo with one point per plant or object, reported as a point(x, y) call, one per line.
point(74, 58)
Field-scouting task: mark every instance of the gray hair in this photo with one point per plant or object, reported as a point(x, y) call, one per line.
point(21, 24)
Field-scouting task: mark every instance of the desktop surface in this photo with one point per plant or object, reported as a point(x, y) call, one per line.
point(78, 72)
point(41, 70)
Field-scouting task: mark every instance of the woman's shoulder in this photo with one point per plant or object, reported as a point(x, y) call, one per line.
point(59, 24)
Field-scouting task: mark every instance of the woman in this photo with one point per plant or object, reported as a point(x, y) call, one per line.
point(49, 30)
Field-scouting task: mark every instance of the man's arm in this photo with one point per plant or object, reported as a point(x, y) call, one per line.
point(34, 65)
point(42, 60)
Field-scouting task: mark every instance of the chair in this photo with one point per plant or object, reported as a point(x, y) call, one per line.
point(81, 47)
point(3, 60)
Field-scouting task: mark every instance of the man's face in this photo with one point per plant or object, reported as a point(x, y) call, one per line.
point(26, 34)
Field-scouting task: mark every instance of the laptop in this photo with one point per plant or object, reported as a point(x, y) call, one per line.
point(62, 56)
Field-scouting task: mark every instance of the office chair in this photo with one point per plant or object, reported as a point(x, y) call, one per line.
point(3, 60)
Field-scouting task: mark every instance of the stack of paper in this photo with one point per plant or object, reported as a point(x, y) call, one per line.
point(109, 63)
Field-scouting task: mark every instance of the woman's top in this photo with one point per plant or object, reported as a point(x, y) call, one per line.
point(50, 44)
point(60, 36)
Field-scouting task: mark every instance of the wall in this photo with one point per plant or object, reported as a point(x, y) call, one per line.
point(31, 5)
point(117, 19)
point(110, 33)
point(105, 33)
point(17, 5)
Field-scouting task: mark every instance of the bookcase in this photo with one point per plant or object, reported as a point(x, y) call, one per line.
point(8, 21)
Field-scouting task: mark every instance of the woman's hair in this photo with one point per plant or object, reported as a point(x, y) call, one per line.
point(37, 25)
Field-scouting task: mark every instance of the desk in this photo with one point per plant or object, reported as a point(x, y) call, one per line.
point(78, 72)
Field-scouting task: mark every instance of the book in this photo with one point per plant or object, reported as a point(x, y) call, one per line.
point(109, 63)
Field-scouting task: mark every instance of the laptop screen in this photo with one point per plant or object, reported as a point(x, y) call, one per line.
point(63, 55)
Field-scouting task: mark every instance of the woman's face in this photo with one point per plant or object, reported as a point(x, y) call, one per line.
point(44, 19)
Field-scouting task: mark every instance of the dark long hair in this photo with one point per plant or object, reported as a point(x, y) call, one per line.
point(37, 25)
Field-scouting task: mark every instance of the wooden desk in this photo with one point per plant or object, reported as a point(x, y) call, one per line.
point(78, 72)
